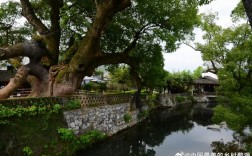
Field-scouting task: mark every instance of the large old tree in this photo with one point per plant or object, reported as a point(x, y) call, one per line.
point(72, 38)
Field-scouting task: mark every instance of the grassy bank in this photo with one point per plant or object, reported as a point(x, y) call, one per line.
point(40, 129)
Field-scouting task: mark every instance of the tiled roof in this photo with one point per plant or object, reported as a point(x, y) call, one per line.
point(206, 80)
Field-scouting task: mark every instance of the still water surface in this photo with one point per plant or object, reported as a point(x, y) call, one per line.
point(165, 133)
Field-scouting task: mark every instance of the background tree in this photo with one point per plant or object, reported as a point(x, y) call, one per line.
point(121, 75)
point(10, 31)
point(229, 51)
point(179, 82)
point(197, 73)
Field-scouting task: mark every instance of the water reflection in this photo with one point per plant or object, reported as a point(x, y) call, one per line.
point(164, 134)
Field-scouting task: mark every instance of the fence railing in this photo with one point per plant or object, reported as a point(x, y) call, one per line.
point(93, 100)
point(23, 92)
point(90, 100)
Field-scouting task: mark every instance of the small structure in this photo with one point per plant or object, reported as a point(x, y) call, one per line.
point(205, 84)
point(5, 76)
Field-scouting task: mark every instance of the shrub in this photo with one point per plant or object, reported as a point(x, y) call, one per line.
point(74, 143)
point(66, 134)
point(73, 104)
point(90, 137)
point(143, 114)
point(127, 117)
point(56, 108)
point(27, 151)
point(88, 87)
point(102, 87)
point(180, 99)
point(191, 98)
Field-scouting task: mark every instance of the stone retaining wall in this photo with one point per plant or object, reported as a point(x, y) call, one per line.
point(108, 119)
point(100, 112)
point(172, 100)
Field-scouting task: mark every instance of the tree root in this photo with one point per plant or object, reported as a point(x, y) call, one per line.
point(15, 83)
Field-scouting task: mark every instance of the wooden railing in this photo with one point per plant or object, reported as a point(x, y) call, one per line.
point(23, 92)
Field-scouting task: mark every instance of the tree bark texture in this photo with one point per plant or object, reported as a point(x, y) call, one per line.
point(248, 9)
point(63, 79)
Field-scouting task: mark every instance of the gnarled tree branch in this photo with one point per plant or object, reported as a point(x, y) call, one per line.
point(248, 9)
point(90, 45)
point(15, 82)
point(13, 51)
point(32, 49)
point(28, 13)
point(35, 51)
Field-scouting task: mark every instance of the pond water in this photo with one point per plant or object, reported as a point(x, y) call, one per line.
point(165, 133)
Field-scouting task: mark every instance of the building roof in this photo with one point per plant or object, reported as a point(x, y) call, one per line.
point(206, 80)
point(5, 75)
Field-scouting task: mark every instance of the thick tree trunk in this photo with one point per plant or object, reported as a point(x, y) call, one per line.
point(35, 51)
point(137, 95)
point(248, 9)
point(63, 79)
point(88, 55)
point(15, 82)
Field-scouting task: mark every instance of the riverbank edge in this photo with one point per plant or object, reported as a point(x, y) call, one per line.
point(38, 134)
point(109, 119)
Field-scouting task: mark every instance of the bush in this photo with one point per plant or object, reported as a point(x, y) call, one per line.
point(127, 117)
point(102, 87)
point(74, 143)
point(66, 134)
point(56, 108)
point(234, 120)
point(180, 99)
point(143, 114)
point(27, 151)
point(73, 104)
point(191, 98)
point(90, 137)
point(88, 87)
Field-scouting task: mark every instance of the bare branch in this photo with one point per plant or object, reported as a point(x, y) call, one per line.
point(133, 43)
point(191, 47)
point(214, 67)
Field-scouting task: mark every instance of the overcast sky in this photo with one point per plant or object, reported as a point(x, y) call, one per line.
point(185, 58)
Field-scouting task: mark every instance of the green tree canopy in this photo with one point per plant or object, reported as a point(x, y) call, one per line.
point(229, 52)
point(180, 82)
point(74, 37)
